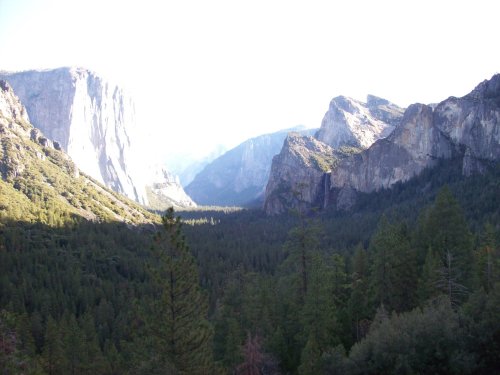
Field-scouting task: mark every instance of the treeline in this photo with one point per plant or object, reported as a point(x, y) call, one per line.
point(409, 283)
point(422, 299)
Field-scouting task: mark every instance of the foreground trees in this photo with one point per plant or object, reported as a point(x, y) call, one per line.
point(178, 320)
point(107, 299)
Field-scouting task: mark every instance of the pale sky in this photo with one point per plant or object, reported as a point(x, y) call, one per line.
point(214, 72)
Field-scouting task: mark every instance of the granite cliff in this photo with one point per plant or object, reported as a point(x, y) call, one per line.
point(467, 128)
point(93, 120)
point(164, 190)
point(348, 127)
point(299, 175)
point(89, 117)
point(39, 182)
point(350, 122)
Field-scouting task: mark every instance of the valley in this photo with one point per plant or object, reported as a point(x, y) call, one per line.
point(368, 246)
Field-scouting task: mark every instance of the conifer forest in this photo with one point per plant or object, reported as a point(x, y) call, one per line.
point(407, 282)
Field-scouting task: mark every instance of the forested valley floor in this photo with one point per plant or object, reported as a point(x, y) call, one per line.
point(407, 282)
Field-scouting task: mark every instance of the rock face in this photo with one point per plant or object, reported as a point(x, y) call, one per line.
point(299, 175)
point(164, 190)
point(239, 176)
point(473, 122)
point(348, 127)
point(91, 120)
point(414, 145)
point(349, 122)
point(40, 182)
point(467, 127)
point(10, 106)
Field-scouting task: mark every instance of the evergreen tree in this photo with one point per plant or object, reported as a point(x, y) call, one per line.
point(179, 320)
point(358, 304)
point(310, 359)
point(394, 275)
point(319, 312)
point(448, 281)
point(428, 282)
point(445, 232)
point(53, 356)
point(73, 345)
point(488, 259)
point(302, 242)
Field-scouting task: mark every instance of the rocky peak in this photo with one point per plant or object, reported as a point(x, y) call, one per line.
point(373, 101)
point(467, 127)
point(354, 123)
point(89, 117)
point(307, 150)
point(10, 105)
point(299, 175)
point(488, 89)
point(164, 190)
point(473, 121)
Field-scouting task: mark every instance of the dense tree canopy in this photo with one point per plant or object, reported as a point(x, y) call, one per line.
point(407, 283)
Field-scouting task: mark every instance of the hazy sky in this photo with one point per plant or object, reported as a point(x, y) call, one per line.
point(209, 71)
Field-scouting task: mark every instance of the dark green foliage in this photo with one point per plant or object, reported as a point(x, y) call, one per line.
point(421, 341)
point(446, 233)
point(488, 259)
point(394, 273)
point(481, 321)
point(90, 297)
point(359, 306)
point(16, 347)
point(178, 317)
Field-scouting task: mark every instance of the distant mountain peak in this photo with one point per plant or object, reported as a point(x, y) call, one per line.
point(351, 122)
point(488, 89)
point(466, 128)
point(239, 176)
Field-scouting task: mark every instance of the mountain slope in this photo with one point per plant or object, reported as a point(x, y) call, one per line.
point(239, 176)
point(350, 122)
point(468, 127)
point(299, 174)
point(91, 118)
point(348, 127)
point(41, 183)
point(165, 190)
point(94, 121)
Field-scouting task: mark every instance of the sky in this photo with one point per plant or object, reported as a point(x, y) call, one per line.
point(210, 73)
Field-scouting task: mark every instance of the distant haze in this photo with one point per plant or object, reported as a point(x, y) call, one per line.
point(209, 73)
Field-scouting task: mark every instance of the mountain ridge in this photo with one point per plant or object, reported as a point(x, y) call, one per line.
point(239, 176)
point(41, 183)
point(467, 126)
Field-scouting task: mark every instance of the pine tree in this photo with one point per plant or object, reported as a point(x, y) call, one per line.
point(394, 275)
point(446, 232)
point(301, 244)
point(52, 354)
point(318, 314)
point(358, 304)
point(488, 259)
point(428, 282)
point(179, 319)
point(73, 344)
point(310, 359)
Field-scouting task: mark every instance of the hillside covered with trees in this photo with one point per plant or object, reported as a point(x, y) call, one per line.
point(407, 282)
